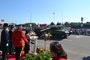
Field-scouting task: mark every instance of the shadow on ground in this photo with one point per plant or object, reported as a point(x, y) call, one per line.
point(86, 58)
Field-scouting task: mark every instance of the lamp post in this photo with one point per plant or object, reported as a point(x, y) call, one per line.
point(53, 16)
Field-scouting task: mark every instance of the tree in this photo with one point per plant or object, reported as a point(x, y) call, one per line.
point(87, 23)
point(33, 25)
point(66, 23)
point(75, 25)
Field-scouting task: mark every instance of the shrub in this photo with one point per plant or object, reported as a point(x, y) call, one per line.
point(42, 56)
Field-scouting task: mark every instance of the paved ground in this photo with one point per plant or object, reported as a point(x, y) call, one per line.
point(76, 46)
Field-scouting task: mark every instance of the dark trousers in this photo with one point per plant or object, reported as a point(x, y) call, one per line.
point(27, 48)
point(11, 49)
point(4, 54)
point(18, 51)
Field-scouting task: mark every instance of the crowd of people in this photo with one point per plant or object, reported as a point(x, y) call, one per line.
point(10, 37)
point(81, 31)
point(14, 37)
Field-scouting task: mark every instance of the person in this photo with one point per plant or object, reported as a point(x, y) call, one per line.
point(10, 42)
point(27, 47)
point(57, 51)
point(17, 39)
point(5, 41)
point(26, 30)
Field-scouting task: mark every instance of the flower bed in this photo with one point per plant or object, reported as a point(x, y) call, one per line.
point(42, 54)
point(40, 50)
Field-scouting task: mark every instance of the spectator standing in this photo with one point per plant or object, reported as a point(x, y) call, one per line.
point(27, 47)
point(17, 39)
point(57, 51)
point(11, 27)
point(5, 41)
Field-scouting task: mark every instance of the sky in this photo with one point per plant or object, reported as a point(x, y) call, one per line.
point(44, 11)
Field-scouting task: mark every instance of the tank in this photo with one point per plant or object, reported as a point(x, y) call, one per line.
point(57, 31)
point(38, 31)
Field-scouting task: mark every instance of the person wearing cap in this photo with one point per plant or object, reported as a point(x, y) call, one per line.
point(17, 39)
point(11, 29)
point(5, 41)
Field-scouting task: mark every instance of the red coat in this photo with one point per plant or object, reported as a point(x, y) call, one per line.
point(18, 37)
point(59, 58)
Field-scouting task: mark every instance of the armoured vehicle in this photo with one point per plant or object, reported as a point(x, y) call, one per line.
point(57, 31)
point(38, 31)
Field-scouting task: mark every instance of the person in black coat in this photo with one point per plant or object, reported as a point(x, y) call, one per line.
point(10, 42)
point(5, 41)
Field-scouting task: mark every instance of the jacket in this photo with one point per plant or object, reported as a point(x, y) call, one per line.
point(4, 39)
point(10, 33)
point(59, 58)
point(18, 37)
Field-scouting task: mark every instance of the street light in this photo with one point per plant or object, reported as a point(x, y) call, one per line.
point(53, 16)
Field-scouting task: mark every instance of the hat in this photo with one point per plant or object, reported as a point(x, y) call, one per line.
point(11, 26)
point(19, 25)
point(5, 25)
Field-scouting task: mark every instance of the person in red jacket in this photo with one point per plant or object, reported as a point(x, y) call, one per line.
point(57, 51)
point(17, 39)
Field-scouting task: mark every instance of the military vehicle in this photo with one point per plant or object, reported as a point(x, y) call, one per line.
point(38, 31)
point(57, 31)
